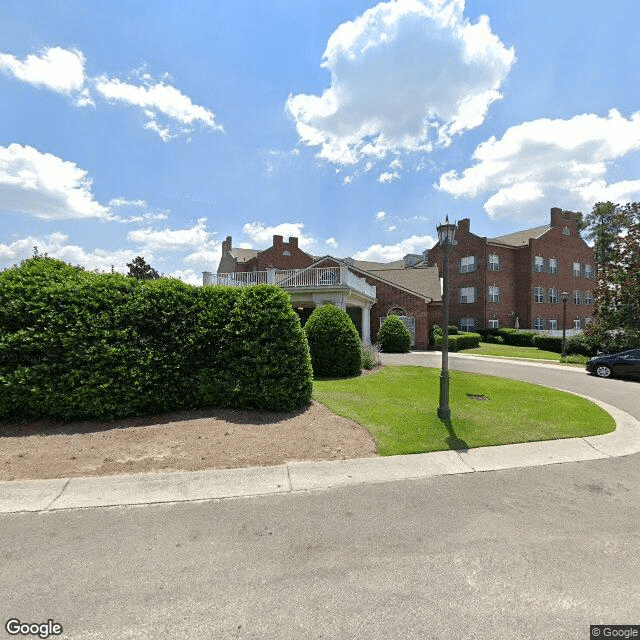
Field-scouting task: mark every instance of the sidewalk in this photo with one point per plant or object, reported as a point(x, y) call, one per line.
point(74, 493)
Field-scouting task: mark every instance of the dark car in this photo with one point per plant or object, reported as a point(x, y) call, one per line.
point(622, 364)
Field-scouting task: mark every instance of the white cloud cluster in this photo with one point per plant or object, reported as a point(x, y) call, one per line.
point(123, 202)
point(388, 176)
point(157, 99)
point(381, 215)
point(404, 75)
point(557, 162)
point(45, 186)
point(57, 69)
point(391, 252)
point(57, 245)
point(167, 110)
point(262, 236)
point(172, 239)
point(332, 243)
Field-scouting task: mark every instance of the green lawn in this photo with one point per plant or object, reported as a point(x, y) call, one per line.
point(507, 351)
point(398, 406)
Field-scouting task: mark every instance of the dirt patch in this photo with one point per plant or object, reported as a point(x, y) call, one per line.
point(180, 441)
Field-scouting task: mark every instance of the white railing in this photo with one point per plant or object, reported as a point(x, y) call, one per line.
point(239, 279)
point(295, 278)
point(323, 277)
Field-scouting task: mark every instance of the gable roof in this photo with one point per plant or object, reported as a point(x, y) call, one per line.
point(520, 238)
point(243, 255)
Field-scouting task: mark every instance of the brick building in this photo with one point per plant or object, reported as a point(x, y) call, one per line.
point(367, 291)
point(517, 280)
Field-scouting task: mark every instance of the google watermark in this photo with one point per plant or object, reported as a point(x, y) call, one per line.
point(598, 631)
point(15, 627)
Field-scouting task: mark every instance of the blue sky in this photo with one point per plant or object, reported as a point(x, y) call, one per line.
point(158, 128)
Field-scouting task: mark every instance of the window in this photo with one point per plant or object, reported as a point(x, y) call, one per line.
point(538, 325)
point(553, 296)
point(577, 269)
point(588, 271)
point(588, 297)
point(538, 264)
point(467, 295)
point(538, 295)
point(577, 297)
point(493, 323)
point(467, 324)
point(397, 311)
point(553, 266)
point(576, 323)
point(553, 325)
point(494, 294)
point(494, 262)
point(467, 264)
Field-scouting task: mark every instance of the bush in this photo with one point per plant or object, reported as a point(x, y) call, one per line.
point(488, 334)
point(464, 341)
point(334, 343)
point(453, 330)
point(77, 345)
point(370, 358)
point(548, 343)
point(581, 345)
point(435, 336)
point(493, 339)
point(394, 337)
point(517, 338)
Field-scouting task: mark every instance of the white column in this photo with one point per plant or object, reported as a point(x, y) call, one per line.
point(366, 324)
point(271, 275)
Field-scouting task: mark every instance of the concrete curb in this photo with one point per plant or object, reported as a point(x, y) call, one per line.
point(150, 488)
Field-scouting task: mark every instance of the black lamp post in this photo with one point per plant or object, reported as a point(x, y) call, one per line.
point(565, 297)
point(446, 234)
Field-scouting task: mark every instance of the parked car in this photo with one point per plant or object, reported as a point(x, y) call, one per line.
point(626, 363)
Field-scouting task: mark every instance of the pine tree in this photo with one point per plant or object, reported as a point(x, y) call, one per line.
point(140, 270)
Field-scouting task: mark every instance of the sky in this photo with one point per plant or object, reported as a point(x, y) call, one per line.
point(157, 129)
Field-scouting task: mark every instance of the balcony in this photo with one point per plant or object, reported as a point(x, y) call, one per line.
point(310, 279)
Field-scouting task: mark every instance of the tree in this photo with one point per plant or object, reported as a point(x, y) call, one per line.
point(140, 270)
point(617, 298)
point(602, 226)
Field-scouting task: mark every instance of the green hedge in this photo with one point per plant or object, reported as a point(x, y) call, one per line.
point(517, 338)
point(334, 343)
point(394, 337)
point(77, 345)
point(461, 341)
point(548, 343)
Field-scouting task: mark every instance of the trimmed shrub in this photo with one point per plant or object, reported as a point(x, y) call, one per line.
point(517, 338)
point(580, 345)
point(334, 343)
point(548, 343)
point(453, 330)
point(487, 334)
point(76, 345)
point(464, 341)
point(394, 337)
point(435, 336)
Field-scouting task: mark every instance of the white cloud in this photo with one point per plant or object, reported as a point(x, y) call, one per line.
point(391, 252)
point(57, 69)
point(381, 215)
point(208, 256)
point(396, 164)
point(45, 186)
point(391, 227)
point(123, 202)
point(263, 236)
point(405, 75)
point(157, 99)
point(187, 275)
point(388, 176)
point(56, 245)
point(172, 239)
point(550, 162)
point(347, 180)
point(332, 243)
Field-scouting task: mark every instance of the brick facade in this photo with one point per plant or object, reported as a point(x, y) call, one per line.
point(516, 285)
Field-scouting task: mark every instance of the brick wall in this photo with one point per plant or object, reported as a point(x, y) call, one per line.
point(283, 255)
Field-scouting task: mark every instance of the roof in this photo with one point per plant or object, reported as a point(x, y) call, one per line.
point(366, 265)
point(425, 281)
point(519, 238)
point(243, 255)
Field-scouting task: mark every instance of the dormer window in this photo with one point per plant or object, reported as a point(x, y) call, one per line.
point(286, 253)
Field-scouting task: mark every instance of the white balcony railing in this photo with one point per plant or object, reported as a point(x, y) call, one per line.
point(295, 279)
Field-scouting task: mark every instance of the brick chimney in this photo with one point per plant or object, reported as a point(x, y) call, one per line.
point(293, 242)
point(277, 241)
point(226, 245)
point(464, 225)
point(556, 217)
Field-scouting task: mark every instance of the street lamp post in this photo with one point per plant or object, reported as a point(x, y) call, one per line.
point(565, 297)
point(446, 234)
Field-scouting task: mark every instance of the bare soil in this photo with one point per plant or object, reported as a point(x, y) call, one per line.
point(181, 441)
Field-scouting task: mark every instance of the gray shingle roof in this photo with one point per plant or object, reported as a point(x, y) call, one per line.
point(519, 238)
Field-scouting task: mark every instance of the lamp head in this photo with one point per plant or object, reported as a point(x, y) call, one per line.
point(565, 296)
point(446, 232)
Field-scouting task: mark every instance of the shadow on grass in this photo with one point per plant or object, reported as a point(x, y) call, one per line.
point(453, 441)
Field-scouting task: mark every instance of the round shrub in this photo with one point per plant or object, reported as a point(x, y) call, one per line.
point(453, 330)
point(334, 343)
point(394, 337)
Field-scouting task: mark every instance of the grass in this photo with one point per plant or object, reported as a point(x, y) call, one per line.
point(398, 406)
point(507, 351)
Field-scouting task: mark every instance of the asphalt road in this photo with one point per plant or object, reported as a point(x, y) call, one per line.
point(527, 553)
